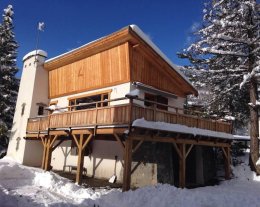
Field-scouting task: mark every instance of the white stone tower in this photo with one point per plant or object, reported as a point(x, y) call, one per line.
point(32, 97)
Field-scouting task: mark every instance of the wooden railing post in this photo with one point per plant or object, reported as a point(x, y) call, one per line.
point(154, 112)
point(39, 123)
point(70, 122)
point(131, 101)
point(49, 121)
point(177, 116)
point(27, 124)
point(96, 119)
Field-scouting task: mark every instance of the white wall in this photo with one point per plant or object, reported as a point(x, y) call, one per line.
point(176, 102)
point(101, 163)
point(33, 89)
point(118, 91)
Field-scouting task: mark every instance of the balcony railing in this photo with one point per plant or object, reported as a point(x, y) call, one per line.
point(123, 114)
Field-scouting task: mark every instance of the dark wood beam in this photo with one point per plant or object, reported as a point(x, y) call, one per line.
point(119, 141)
point(127, 164)
point(180, 140)
point(182, 166)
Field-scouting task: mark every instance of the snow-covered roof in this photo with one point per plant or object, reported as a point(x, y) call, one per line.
point(35, 52)
point(180, 129)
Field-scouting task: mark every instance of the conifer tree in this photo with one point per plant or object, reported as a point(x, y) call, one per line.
point(8, 69)
point(227, 48)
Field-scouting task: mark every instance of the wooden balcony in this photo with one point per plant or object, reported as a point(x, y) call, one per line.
point(121, 116)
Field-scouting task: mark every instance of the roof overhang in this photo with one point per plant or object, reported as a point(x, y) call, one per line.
point(153, 90)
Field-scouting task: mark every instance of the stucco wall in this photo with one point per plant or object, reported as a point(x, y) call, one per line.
point(33, 89)
point(118, 91)
point(101, 163)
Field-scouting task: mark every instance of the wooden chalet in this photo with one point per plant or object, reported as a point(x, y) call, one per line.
point(98, 91)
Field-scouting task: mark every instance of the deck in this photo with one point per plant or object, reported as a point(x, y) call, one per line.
point(120, 116)
point(82, 126)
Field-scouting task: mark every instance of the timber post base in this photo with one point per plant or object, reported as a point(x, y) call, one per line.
point(127, 164)
point(81, 144)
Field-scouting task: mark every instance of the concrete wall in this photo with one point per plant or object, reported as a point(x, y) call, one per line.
point(154, 161)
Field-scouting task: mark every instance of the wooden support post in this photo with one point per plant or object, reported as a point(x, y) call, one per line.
point(226, 152)
point(119, 141)
point(44, 143)
point(182, 168)
point(50, 142)
point(128, 164)
point(48, 154)
point(137, 146)
point(80, 161)
point(81, 146)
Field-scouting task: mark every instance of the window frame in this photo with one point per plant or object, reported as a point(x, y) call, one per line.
point(157, 99)
point(102, 95)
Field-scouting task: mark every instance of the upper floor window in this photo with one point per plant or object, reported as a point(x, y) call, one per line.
point(83, 101)
point(41, 107)
point(156, 99)
point(40, 110)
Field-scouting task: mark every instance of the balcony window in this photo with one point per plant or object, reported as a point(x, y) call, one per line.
point(82, 101)
point(156, 99)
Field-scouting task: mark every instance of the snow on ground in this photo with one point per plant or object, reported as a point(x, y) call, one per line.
point(26, 186)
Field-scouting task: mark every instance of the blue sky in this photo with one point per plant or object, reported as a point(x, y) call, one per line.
point(70, 24)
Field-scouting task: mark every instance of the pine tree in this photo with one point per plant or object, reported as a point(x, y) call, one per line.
point(227, 48)
point(8, 69)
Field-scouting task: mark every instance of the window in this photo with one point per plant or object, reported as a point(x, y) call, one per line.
point(23, 108)
point(80, 101)
point(156, 99)
point(40, 110)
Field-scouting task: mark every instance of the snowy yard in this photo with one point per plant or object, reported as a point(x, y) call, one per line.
point(26, 186)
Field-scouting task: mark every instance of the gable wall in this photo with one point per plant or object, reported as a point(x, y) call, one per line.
point(150, 69)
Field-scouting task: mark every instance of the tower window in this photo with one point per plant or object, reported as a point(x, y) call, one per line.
point(40, 110)
point(23, 108)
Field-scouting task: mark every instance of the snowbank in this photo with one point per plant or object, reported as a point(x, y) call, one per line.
point(27, 186)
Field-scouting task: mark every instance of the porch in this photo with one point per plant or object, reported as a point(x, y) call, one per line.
point(84, 125)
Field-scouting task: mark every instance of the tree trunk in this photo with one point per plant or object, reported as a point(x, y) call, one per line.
point(254, 125)
point(254, 142)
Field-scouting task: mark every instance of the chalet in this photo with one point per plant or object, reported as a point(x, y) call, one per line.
point(114, 106)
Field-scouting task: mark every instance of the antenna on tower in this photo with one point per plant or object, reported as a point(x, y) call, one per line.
point(40, 28)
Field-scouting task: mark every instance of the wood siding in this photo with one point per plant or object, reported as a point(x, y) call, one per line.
point(150, 69)
point(103, 69)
